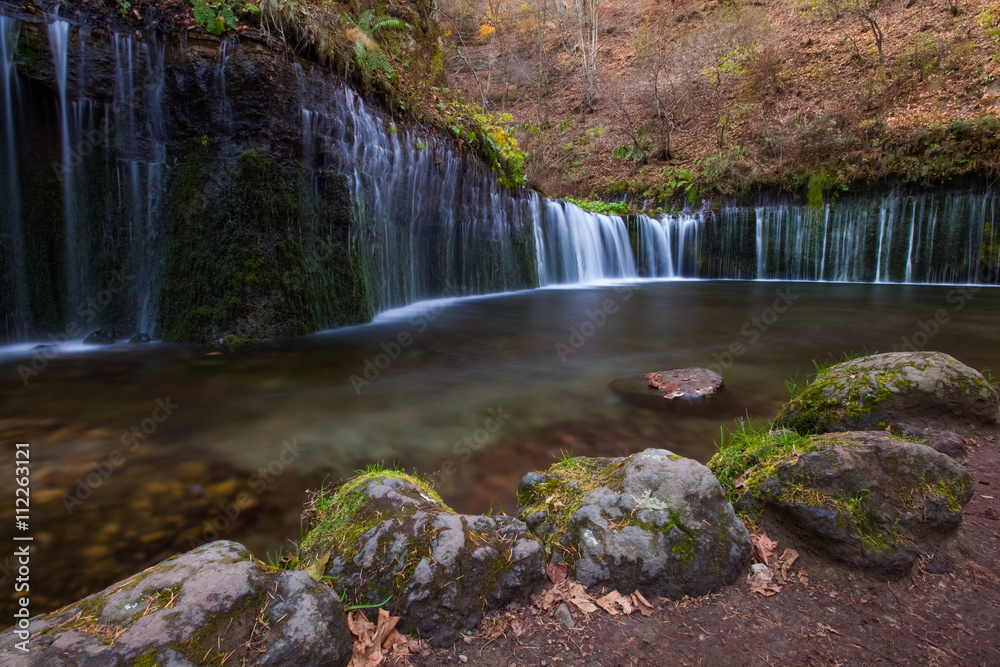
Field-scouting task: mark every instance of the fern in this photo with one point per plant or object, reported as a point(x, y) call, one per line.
point(215, 18)
point(628, 152)
point(367, 53)
point(202, 14)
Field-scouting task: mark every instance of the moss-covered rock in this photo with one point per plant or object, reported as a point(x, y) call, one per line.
point(652, 521)
point(208, 605)
point(862, 498)
point(387, 538)
point(882, 389)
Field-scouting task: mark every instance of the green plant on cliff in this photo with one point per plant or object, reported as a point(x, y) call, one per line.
point(365, 31)
point(989, 19)
point(214, 17)
point(597, 206)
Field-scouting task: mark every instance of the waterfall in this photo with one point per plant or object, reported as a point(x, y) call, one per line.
point(11, 225)
point(579, 246)
point(429, 222)
point(101, 263)
point(409, 216)
point(668, 245)
point(948, 238)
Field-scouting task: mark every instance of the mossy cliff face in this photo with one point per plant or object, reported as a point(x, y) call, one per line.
point(882, 389)
point(862, 498)
point(387, 538)
point(208, 605)
point(254, 253)
point(654, 521)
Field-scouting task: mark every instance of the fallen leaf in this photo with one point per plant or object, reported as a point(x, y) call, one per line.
point(584, 605)
point(642, 604)
point(359, 625)
point(783, 565)
point(556, 572)
point(738, 482)
point(615, 604)
point(804, 578)
point(762, 546)
point(517, 627)
point(386, 625)
point(318, 569)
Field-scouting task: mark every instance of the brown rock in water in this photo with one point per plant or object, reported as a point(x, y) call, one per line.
point(650, 389)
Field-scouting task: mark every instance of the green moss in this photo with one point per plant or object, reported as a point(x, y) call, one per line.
point(256, 251)
point(147, 659)
point(561, 495)
point(685, 538)
point(841, 395)
point(220, 634)
point(748, 454)
point(342, 515)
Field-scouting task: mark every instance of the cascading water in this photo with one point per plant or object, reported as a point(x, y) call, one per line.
point(668, 246)
point(428, 222)
point(89, 201)
point(577, 246)
point(948, 238)
point(100, 266)
point(11, 225)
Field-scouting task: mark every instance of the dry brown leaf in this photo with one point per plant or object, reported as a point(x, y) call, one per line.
point(758, 584)
point(386, 625)
point(762, 547)
point(783, 565)
point(517, 627)
point(615, 604)
point(584, 605)
point(642, 604)
point(556, 572)
point(804, 578)
point(359, 625)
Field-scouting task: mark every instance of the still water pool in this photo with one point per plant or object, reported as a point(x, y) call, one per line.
point(142, 451)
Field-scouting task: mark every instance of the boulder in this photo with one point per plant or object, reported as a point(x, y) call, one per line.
point(680, 387)
point(388, 539)
point(946, 442)
point(862, 498)
point(653, 521)
point(214, 602)
point(139, 338)
point(871, 392)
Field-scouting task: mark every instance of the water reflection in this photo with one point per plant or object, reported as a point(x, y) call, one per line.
point(475, 392)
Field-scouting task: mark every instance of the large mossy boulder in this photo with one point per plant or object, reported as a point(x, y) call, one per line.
point(213, 605)
point(862, 498)
point(882, 389)
point(653, 521)
point(387, 538)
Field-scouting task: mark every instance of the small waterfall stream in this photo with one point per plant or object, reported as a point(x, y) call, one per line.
point(11, 231)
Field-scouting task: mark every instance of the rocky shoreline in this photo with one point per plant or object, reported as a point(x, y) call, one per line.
point(659, 524)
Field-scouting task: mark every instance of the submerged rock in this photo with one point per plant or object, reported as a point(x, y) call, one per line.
point(667, 389)
point(882, 389)
point(653, 521)
point(100, 337)
point(207, 603)
point(388, 538)
point(862, 498)
point(139, 338)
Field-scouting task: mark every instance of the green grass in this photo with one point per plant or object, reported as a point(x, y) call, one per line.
point(797, 383)
point(750, 450)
